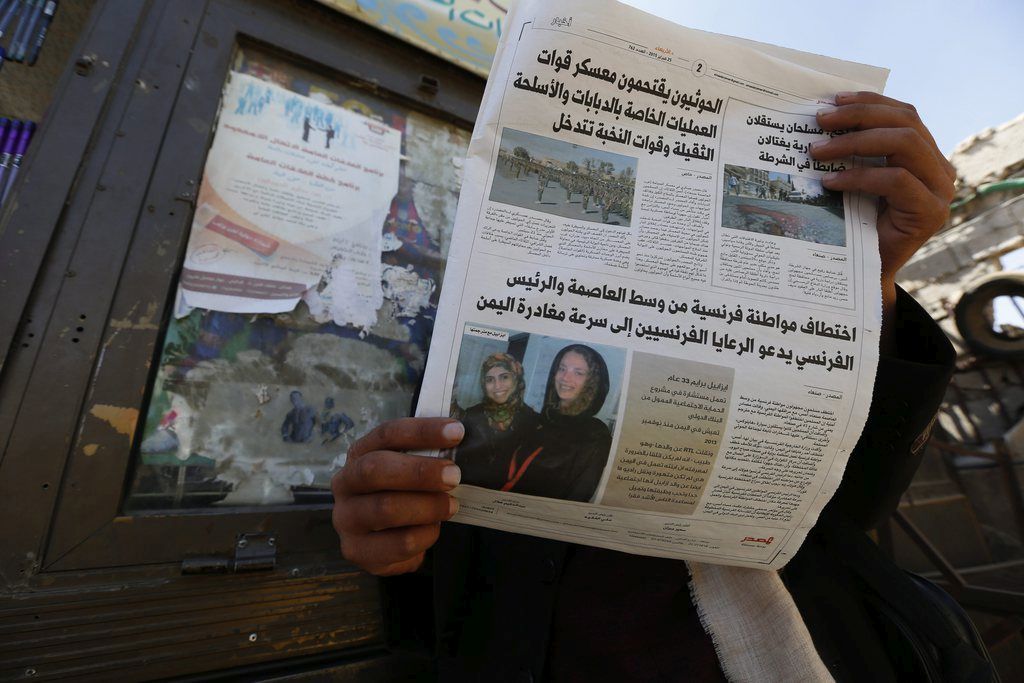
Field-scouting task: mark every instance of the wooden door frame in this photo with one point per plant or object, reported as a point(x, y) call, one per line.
point(106, 275)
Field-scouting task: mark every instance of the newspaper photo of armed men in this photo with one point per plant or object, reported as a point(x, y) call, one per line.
point(563, 179)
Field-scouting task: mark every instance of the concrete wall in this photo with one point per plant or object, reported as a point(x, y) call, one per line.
point(939, 272)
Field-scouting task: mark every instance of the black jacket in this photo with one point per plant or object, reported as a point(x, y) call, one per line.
point(571, 454)
point(494, 594)
point(484, 454)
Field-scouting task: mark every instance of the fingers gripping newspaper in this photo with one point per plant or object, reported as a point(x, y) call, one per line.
point(659, 329)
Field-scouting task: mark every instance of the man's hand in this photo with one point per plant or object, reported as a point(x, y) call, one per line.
point(388, 505)
point(916, 184)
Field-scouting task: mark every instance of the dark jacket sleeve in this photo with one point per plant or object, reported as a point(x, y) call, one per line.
point(908, 389)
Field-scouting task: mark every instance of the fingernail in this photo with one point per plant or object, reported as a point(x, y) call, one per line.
point(843, 95)
point(829, 177)
point(453, 431)
point(819, 144)
point(451, 475)
point(453, 506)
point(825, 111)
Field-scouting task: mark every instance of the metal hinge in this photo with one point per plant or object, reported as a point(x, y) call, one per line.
point(253, 552)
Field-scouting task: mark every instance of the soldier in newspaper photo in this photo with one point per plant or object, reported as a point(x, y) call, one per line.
point(669, 332)
point(578, 182)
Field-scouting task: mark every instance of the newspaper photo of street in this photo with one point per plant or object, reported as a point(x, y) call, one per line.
point(782, 204)
point(563, 179)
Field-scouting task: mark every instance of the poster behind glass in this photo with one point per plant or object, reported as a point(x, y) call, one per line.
point(259, 409)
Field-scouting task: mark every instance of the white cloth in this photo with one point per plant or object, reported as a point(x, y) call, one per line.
point(754, 624)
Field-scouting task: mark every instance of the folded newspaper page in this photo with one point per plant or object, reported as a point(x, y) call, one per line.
point(659, 329)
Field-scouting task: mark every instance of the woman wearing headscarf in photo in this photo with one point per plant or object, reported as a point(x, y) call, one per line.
point(565, 456)
point(495, 426)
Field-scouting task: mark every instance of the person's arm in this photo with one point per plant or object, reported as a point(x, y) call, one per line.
point(909, 387)
point(915, 187)
point(389, 505)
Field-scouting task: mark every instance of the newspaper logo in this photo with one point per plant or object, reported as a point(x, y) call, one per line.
point(760, 541)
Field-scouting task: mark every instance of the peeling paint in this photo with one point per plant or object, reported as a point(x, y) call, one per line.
point(262, 392)
point(432, 146)
point(121, 419)
point(90, 449)
point(198, 125)
point(389, 327)
point(110, 340)
point(335, 301)
point(408, 292)
point(248, 448)
point(146, 321)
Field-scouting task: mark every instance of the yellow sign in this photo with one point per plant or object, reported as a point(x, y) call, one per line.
point(465, 32)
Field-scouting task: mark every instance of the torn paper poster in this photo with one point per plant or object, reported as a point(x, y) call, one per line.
point(264, 424)
point(292, 188)
point(390, 242)
point(406, 290)
point(336, 296)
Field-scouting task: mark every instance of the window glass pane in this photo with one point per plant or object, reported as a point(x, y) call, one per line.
point(260, 409)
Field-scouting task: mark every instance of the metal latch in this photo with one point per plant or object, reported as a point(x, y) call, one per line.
point(429, 85)
point(253, 552)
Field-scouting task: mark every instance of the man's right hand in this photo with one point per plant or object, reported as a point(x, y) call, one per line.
point(389, 505)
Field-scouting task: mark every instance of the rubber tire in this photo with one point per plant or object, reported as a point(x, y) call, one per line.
point(970, 315)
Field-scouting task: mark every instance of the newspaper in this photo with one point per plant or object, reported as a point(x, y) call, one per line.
point(659, 329)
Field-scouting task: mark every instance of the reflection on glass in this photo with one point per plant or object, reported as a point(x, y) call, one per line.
point(260, 409)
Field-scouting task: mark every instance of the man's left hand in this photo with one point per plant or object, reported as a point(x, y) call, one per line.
point(916, 184)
